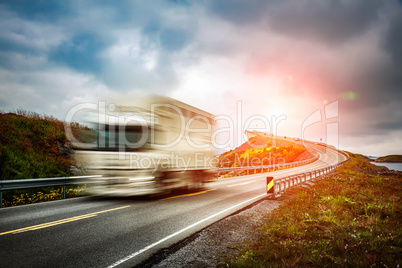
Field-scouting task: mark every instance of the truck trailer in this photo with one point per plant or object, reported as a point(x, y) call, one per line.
point(147, 145)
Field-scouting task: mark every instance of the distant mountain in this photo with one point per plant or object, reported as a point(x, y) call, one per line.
point(372, 158)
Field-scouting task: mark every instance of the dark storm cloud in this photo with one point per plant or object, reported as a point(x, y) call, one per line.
point(169, 38)
point(81, 52)
point(387, 125)
point(40, 10)
point(174, 39)
point(393, 46)
point(326, 21)
point(14, 43)
point(239, 12)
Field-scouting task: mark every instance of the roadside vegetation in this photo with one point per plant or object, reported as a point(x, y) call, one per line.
point(35, 146)
point(29, 146)
point(27, 196)
point(351, 218)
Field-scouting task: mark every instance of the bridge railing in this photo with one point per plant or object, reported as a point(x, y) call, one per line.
point(263, 168)
point(6, 185)
point(280, 185)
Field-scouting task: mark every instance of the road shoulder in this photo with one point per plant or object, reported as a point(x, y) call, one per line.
point(220, 240)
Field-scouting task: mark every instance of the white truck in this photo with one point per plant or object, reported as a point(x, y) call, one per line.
point(148, 145)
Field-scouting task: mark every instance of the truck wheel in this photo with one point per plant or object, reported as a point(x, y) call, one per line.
point(195, 182)
point(160, 182)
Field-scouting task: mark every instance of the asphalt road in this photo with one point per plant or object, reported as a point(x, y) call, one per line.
point(97, 232)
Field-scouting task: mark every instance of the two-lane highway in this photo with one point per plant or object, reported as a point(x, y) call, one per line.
point(96, 232)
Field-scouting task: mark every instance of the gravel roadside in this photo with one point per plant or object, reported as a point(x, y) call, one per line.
point(220, 240)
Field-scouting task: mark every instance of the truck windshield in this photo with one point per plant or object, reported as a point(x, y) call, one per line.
point(130, 138)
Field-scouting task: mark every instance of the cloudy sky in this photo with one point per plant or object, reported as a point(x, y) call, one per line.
point(322, 69)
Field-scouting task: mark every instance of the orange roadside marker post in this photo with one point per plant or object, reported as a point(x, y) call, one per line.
point(270, 187)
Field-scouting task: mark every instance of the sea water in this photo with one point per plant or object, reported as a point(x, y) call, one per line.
point(394, 166)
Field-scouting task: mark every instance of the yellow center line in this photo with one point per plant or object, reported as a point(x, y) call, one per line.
point(196, 193)
point(58, 222)
point(244, 183)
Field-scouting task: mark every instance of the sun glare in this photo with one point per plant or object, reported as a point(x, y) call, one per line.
point(276, 110)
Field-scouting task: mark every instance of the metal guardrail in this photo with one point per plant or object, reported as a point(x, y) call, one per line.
point(44, 182)
point(268, 168)
point(282, 184)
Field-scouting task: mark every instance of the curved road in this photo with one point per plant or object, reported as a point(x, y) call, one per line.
point(96, 232)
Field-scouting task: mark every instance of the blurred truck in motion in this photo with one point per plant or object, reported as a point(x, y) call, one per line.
point(147, 145)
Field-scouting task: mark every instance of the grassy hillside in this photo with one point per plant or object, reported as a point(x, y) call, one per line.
point(32, 146)
point(361, 157)
point(390, 159)
point(35, 146)
point(350, 218)
point(263, 150)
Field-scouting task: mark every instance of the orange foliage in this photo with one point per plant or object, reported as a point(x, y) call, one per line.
point(257, 151)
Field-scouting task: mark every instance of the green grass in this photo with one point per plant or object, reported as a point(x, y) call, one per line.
point(348, 219)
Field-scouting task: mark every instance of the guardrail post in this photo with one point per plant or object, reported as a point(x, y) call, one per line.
point(64, 192)
point(1, 199)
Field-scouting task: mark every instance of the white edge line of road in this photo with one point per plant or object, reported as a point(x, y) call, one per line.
point(179, 232)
